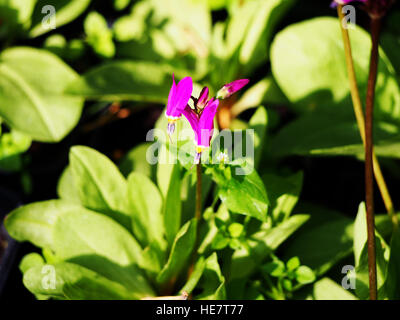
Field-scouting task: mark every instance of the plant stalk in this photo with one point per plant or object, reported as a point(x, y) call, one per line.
point(369, 182)
point(198, 192)
point(358, 111)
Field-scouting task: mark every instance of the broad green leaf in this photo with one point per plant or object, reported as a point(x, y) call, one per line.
point(100, 185)
point(212, 281)
point(392, 281)
point(96, 242)
point(15, 13)
point(336, 136)
point(145, 202)
point(66, 188)
point(172, 210)
point(327, 289)
point(284, 193)
point(12, 144)
point(325, 239)
point(32, 81)
point(35, 222)
point(302, 50)
point(135, 160)
point(125, 80)
point(180, 252)
point(254, 49)
point(74, 282)
point(66, 11)
point(232, 186)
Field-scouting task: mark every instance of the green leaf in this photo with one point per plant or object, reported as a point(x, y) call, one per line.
point(195, 275)
point(135, 160)
point(235, 229)
point(125, 80)
point(146, 203)
point(284, 193)
point(99, 36)
point(304, 275)
point(258, 123)
point(254, 49)
point(12, 144)
point(392, 281)
point(231, 187)
point(121, 4)
point(100, 185)
point(361, 257)
point(212, 281)
point(172, 205)
point(302, 50)
point(66, 11)
point(35, 222)
point(325, 239)
point(336, 136)
point(246, 260)
point(31, 260)
point(74, 282)
point(326, 289)
point(66, 189)
point(293, 264)
point(180, 252)
point(33, 82)
point(98, 243)
point(275, 268)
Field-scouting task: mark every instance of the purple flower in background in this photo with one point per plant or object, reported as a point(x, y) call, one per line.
point(344, 2)
point(202, 125)
point(178, 99)
point(229, 89)
point(375, 8)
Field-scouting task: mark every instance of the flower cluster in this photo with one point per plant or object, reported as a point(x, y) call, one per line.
point(201, 118)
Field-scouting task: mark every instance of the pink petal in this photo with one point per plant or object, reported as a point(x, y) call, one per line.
point(206, 123)
point(191, 116)
point(201, 103)
point(171, 96)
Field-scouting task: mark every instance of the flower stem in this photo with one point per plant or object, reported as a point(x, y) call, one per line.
point(357, 105)
point(198, 192)
point(369, 171)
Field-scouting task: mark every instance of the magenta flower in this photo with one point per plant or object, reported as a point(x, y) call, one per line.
point(344, 2)
point(178, 99)
point(229, 89)
point(202, 125)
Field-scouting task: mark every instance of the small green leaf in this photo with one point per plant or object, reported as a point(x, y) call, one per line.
point(220, 242)
point(287, 285)
point(304, 275)
point(235, 229)
point(31, 260)
point(180, 252)
point(66, 189)
point(275, 268)
point(99, 36)
point(231, 187)
point(293, 264)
